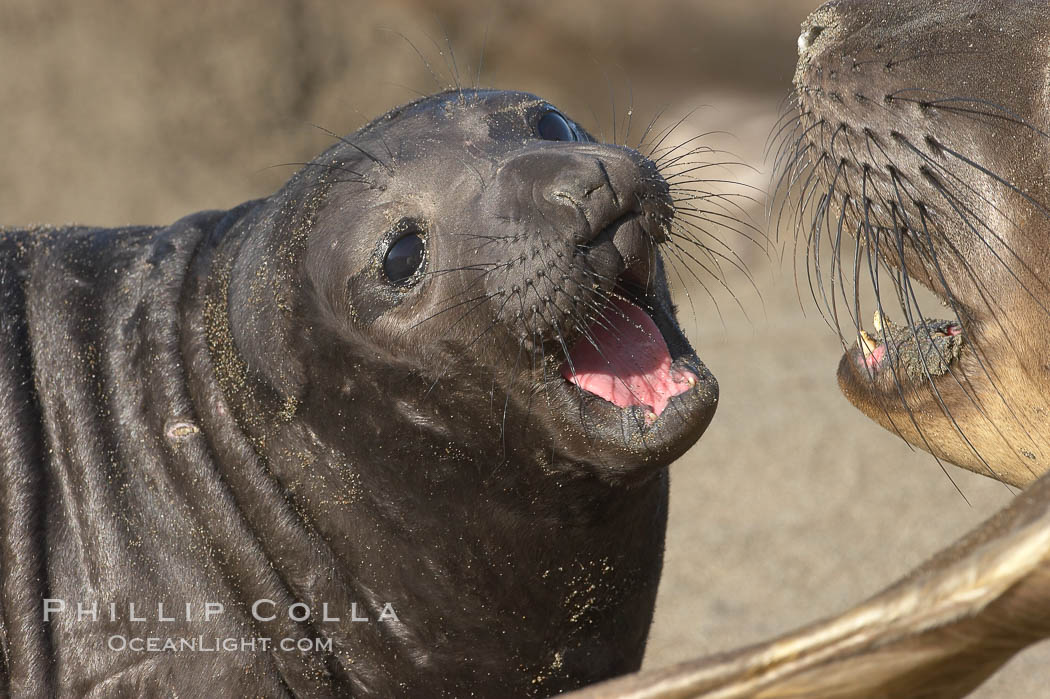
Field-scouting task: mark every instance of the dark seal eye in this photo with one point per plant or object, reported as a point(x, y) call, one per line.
point(404, 258)
point(554, 127)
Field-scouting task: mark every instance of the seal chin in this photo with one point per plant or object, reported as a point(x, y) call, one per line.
point(632, 441)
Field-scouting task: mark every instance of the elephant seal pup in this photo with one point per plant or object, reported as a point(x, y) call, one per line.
point(400, 429)
point(924, 136)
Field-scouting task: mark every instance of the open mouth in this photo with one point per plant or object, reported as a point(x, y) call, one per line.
point(926, 348)
point(918, 350)
point(623, 357)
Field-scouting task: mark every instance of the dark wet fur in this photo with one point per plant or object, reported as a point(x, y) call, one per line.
point(192, 417)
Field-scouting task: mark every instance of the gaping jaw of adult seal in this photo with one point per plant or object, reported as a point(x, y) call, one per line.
point(924, 136)
point(923, 133)
point(427, 392)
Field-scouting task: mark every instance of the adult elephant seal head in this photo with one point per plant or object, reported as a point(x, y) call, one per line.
point(402, 428)
point(924, 135)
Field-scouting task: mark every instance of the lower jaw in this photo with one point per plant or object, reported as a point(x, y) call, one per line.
point(902, 354)
point(882, 378)
point(629, 435)
point(916, 414)
point(889, 394)
point(872, 393)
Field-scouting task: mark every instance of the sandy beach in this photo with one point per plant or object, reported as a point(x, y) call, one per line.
point(793, 505)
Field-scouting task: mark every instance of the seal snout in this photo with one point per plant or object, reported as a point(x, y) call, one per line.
point(627, 210)
point(606, 210)
point(608, 189)
point(623, 355)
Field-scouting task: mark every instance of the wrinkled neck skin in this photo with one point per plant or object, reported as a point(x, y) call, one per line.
point(511, 566)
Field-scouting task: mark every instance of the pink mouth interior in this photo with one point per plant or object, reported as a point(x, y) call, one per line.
point(874, 359)
point(625, 360)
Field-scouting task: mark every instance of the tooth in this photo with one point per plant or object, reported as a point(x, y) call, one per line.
point(869, 342)
point(880, 318)
point(691, 380)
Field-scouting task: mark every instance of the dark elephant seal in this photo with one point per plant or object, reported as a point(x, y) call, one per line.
point(923, 132)
point(923, 135)
point(338, 420)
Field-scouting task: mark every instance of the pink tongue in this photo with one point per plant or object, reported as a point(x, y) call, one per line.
point(625, 360)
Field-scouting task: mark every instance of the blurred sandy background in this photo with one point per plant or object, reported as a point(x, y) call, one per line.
point(791, 507)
